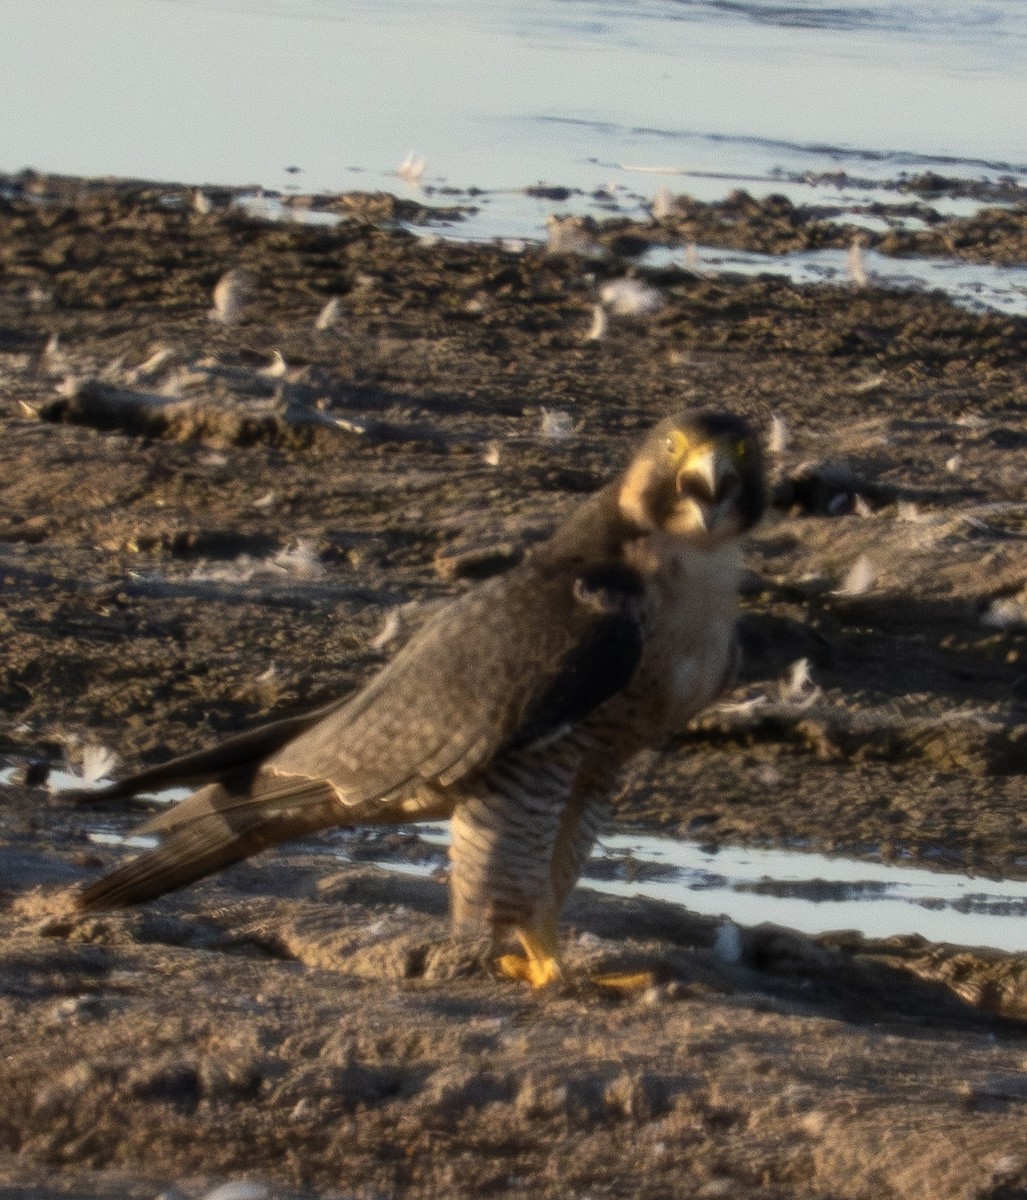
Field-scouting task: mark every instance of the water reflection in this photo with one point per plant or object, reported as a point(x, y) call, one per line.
point(814, 893)
point(498, 94)
point(811, 892)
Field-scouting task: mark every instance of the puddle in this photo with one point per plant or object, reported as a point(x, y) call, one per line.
point(508, 218)
point(515, 219)
point(816, 893)
point(977, 286)
point(111, 837)
point(811, 892)
point(57, 779)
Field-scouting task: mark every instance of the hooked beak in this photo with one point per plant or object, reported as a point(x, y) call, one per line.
point(708, 477)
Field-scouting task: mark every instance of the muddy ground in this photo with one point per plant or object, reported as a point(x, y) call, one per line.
point(195, 535)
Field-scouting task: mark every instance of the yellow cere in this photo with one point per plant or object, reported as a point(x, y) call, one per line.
point(676, 443)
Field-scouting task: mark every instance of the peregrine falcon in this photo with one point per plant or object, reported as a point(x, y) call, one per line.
point(511, 712)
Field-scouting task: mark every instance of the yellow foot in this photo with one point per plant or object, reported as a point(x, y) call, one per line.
point(537, 972)
point(623, 983)
point(539, 965)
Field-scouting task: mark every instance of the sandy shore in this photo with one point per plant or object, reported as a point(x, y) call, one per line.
point(195, 534)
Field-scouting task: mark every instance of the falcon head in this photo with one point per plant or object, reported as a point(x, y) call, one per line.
point(698, 476)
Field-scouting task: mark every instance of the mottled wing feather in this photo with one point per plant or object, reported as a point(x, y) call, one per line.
point(210, 830)
point(500, 669)
point(510, 663)
point(597, 668)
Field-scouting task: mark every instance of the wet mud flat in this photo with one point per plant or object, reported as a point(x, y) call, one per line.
point(195, 534)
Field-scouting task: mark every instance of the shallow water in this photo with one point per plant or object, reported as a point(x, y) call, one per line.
point(811, 892)
point(500, 94)
point(829, 103)
point(979, 286)
point(814, 893)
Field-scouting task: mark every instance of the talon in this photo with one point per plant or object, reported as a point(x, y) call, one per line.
point(537, 972)
point(539, 965)
point(623, 983)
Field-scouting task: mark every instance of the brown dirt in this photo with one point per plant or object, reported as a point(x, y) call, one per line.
point(308, 1025)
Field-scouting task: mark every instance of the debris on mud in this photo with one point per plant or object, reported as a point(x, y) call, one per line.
point(204, 522)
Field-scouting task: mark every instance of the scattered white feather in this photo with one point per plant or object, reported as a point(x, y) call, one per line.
point(328, 315)
point(172, 385)
point(777, 438)
point(953, 464)
point(854, 266)
point(411, 169)
point(68, 386)
point(51, 358)
point(1006, 612)
point(861, 508)
point(243, 569)
point(230, 293)
point(742, 708)
point(493, 454)
point(597, 330)
point(239, 1189)
point(858, 579)
point(200, 203)
point(727, 945)
point(159, 358)
point(276, 368)
point(663, 204)
point(389, 631)
point(97, 763)
point(798, 687)
point(264, 501)
point(870, 385)
point(556, 425)
point(768, 775)
point(113, 370)
point(630, 298)
point(300, 561)
point(569, 235)
point(691, 259)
